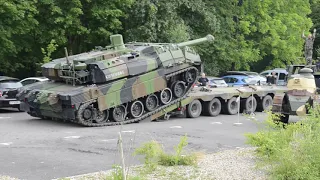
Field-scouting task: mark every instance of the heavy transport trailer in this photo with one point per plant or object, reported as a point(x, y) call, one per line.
point(214, 101)
point(210, 102)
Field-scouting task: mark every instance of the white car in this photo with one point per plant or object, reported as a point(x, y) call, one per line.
point(32, 80)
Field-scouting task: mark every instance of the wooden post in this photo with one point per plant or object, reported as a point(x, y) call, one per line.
point(122, 157)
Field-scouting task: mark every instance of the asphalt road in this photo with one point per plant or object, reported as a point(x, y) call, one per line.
point(42, 149)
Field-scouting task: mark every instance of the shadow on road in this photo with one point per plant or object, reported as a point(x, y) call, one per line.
point(49, 122)
point(10, 110)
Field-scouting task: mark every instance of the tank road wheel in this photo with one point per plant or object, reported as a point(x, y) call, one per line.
point(179, 89)
point(86, 113)
point(231, 107)
point(213, 108)
point(266, 102)
point(119, 113)
point(136, 109)
point(190, 76)
point(151, 102)
point(166, 96)
point(102, 117)
point(248, 105)
point(194, 109)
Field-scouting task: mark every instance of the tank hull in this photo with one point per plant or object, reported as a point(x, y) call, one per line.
point(52, 100)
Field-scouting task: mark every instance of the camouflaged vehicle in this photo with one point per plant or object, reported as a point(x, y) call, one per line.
point(228, 100)
point(119, 84)
point(301, 92)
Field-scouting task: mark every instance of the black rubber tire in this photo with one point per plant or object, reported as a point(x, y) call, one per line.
point(183, 91)
point(208, 107)
point(229, 107)
point(191, 79)
point(117, 119)
point(193, 113)
point(146, 105)
point(140, 113)
point(247, 104)
point(104, 118)
point(263, 104)
point(170, 94)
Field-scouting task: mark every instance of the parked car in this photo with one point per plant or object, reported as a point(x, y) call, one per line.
point(253, 75)
point(8, 90)
point(32, 80)
point(238, 80)
point(280, 73)
point(216, 82)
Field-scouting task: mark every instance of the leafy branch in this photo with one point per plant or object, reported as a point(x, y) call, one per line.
point(52, 46)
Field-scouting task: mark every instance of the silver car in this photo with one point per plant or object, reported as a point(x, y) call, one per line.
point(216, 82)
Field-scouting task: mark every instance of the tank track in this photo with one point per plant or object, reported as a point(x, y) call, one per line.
point(161, 107)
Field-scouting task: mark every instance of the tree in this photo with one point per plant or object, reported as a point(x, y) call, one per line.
point(274, 29)
point(17, 22)
point(315, 16)
point(31, 25)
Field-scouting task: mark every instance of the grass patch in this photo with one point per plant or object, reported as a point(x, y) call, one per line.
point(289, 151)
point(154, 155)
point(157, 164)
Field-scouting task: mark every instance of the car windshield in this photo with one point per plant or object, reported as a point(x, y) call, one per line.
point(248, 80)
point(10, 84)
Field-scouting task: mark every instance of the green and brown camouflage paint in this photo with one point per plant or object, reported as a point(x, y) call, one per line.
point(107, 79)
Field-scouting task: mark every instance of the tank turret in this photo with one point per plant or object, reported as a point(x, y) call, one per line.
point(119, 61)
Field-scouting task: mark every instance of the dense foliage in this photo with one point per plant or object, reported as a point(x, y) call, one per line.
point(292, 152)
point(249, 34)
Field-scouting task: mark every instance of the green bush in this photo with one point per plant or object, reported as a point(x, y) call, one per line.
point(151, 151)
point(290, 151)
point(177, 158)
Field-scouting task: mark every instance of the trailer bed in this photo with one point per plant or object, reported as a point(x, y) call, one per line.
point(226, 100)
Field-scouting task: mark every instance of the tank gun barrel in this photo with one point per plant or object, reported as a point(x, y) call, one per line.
point(209, 38)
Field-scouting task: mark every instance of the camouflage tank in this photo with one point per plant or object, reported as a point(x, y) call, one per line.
point(118, 84)
point(301, 93)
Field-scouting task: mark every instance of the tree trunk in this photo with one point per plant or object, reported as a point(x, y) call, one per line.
point(233, 66)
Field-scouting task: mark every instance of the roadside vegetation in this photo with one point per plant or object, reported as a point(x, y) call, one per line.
point(289, 151)
point(182, 164)
point(155, 158)
point(155, 163)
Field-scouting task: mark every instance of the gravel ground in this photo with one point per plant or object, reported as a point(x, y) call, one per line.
point(231, 164)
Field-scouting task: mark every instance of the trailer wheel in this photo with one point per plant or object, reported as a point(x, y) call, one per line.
point(248, 104)
point(213, 107)
point(194, 109)
point(231, 107)
point(266, 102)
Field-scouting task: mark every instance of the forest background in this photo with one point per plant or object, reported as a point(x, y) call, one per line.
point(249, 34)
